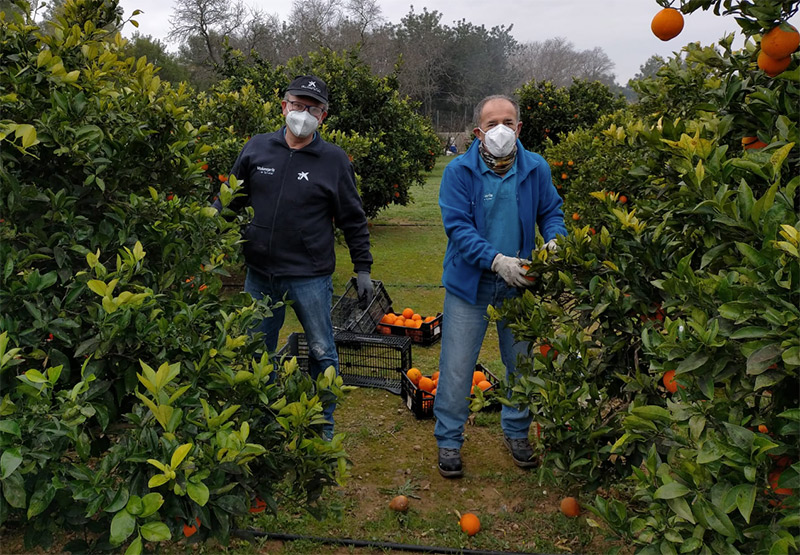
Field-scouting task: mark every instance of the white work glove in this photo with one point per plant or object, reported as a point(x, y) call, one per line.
point(551, 245)
point(511, 270)
point(365, 289)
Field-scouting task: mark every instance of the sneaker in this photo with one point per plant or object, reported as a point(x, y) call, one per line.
point(521, 452)
point(450, 463)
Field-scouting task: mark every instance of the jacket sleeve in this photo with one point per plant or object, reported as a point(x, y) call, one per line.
point(350, 218)
point(458, 218)
point(550, 217)
point(241, 170)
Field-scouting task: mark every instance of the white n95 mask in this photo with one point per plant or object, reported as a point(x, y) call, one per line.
point(499, 140)
point(301, 124)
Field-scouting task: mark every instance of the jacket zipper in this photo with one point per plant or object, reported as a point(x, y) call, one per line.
point(277, 205)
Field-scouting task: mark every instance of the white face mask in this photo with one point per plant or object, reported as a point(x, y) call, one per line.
point(301, 124)
point(499, 140)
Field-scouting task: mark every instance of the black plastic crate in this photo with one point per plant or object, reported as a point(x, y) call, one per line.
point(365, 360)
point(427, 334)
point(347, 316)
point(421, 402)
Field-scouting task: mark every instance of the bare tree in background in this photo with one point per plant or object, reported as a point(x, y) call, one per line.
point(263, 34)
point(557, 61)
point(211, 20)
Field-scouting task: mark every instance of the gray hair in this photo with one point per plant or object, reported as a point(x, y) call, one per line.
point(476, 116)
point(324, 104)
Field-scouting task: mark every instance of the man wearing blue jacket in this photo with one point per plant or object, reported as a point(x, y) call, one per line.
point(491, 198)
point(300, 186)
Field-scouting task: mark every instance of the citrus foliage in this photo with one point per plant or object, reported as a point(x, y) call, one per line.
point(698, 271)
point(391, 146)
point(133, 400)
point(547, 111)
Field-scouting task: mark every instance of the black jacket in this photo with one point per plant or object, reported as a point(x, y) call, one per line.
point(297, 197)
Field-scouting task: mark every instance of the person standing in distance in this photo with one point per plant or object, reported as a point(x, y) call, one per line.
point(300, 186)
point(492, 198)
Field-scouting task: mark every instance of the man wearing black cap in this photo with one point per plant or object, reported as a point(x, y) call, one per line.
point(300, 186)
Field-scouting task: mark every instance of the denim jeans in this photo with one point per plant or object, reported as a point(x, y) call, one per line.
point(311, 300)
point(463, 330)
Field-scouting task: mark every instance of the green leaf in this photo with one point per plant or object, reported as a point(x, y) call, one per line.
point(180, 454)
point(709, 452)
point(761, 359)
point(98, 287)
point(652, 412)
point(681, 508)
point(41, 498)
point(157, 480)
point(10, 427)
point(745, 500)
point(752, 332)
point(9, 462)
point(14, 491)
point(122, 526)
point(692, 362)
point(151, 503)
point(791, 414)
point(198, 492)
point(155, 532)
point(671, 491)
point(135, 548)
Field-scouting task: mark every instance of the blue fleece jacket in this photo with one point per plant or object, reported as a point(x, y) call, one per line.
point(468, 252)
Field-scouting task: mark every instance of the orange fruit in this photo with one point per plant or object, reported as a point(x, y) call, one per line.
point(773, 478)
point(669, 381)
point(425, 384)
point(190, 529)
point(470, 524)
point(527, 268)
point(408, 313)
point(399, 504)
point(399, 321)
point(388, 318)
point(576, 216)
point(667, 24)
point(258, 505)
point(409, 323)
point(433, 392)
point(752, 142)
point(416, 316)
point(429, 319)
point(417, 323)
point(483, 385)
point(570, 507)
point(778, 43)
point(773, 66)
point(435, 376)
point(385, 330)
point(763, 429)
point(623, 199)
point(478, 376)
point(414, 375)
point(545, 348)
point(564, 176)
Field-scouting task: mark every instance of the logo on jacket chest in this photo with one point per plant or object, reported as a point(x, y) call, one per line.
point(265, 171)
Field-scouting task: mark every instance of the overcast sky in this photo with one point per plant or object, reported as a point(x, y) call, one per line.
point(620, 27)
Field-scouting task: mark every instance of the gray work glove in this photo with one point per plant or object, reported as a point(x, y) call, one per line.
point(365, 289)
point(510, 269)
point(551, 245)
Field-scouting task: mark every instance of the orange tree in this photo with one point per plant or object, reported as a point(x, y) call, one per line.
point(390, 145)
point(697, 273)
point(134, 401)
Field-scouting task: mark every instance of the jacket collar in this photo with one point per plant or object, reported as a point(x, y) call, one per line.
point(525, 164)
point(314, 147)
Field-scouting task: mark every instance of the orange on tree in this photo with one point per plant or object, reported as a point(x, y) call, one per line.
point(669, 381)
point(426, 384)
point(752, 142)
point(570, 507)
point(773, 66)
point(545, 348)
point(763, 429)
point(470, 524)
point(773, 479)
point(576, 216)
point(667, 24)
point(780, 41)
point(190, 529)
point(258, 505)
point(527, 268)
point(623, 199)
point(414, 375)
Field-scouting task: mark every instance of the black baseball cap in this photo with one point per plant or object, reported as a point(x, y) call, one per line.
point(309, 85)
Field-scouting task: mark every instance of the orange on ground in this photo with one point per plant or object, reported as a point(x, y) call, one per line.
point(425, 384)
point(470, 524)
point(570, 507)
point(408, 313)
point(414, 375)
point(667, 24)
point(773, 66)
point(576, 216)
point(478, 376)
point(778, 43)
point(669, 381)
point(399, 504)
point(484, 385)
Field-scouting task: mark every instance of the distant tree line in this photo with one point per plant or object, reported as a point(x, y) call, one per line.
point(446, 69)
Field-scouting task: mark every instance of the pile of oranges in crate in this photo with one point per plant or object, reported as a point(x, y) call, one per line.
point(429, 384)
point(408, 319)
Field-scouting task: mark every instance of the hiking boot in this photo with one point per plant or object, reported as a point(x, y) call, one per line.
point(521, 452)
point(450, 463)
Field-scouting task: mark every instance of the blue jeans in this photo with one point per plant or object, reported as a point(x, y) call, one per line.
point(311, 300)
point(463, 330)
